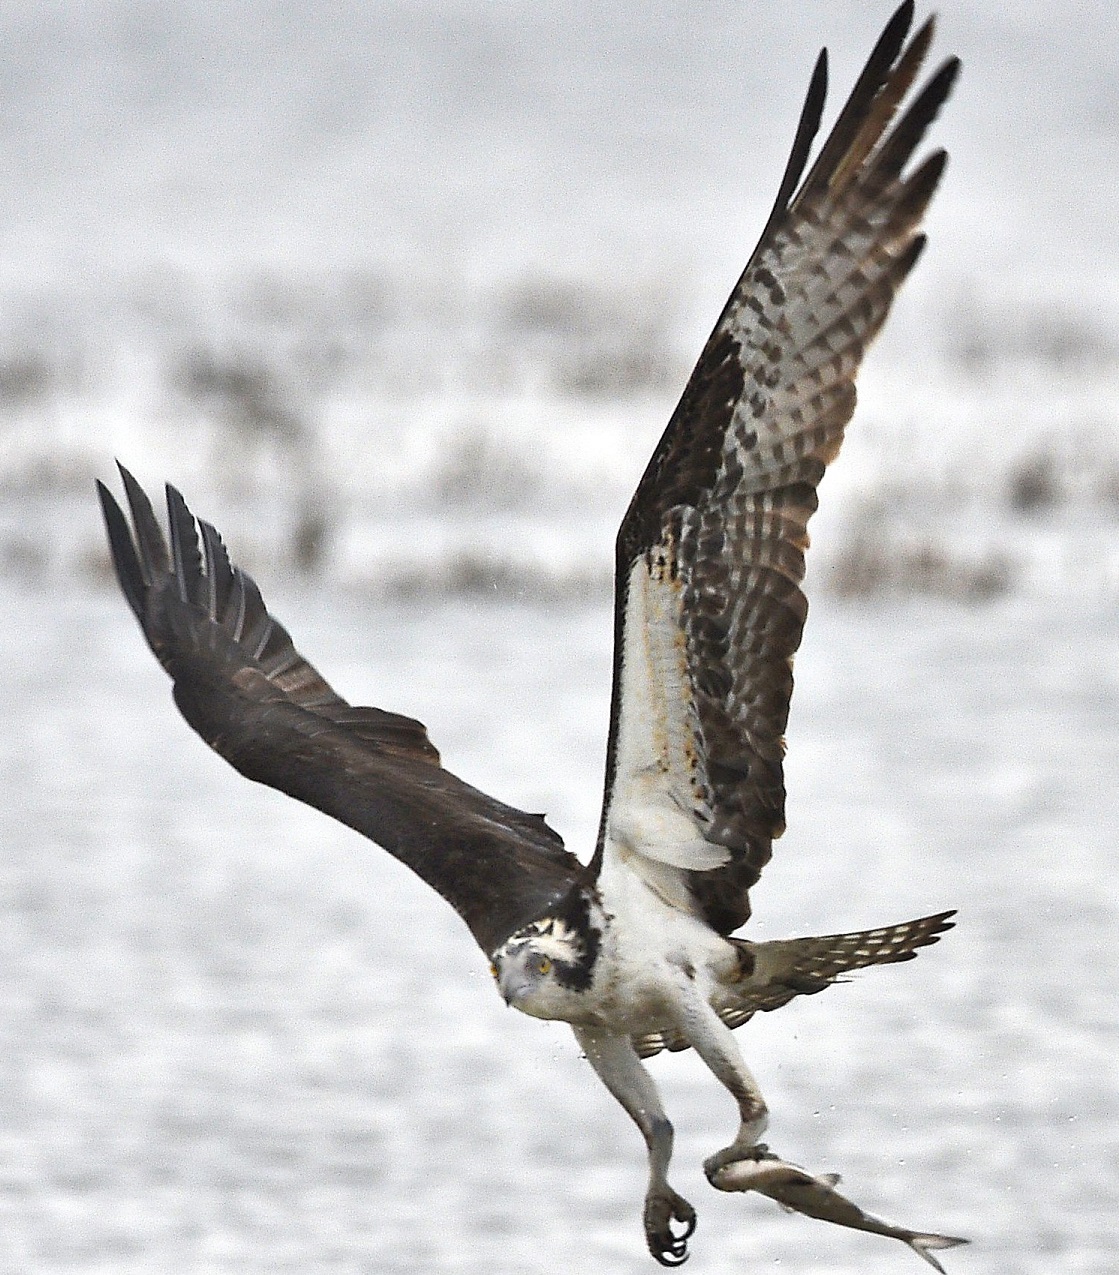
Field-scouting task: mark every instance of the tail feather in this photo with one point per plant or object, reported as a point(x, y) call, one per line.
point(804, 966)
point(776, 972)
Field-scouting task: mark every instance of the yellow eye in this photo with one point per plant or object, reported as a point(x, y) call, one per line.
point(493, 970)
point(543, 964)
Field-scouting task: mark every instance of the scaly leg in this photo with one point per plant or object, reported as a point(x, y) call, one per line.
point(714, 1041)
point(615, 1060)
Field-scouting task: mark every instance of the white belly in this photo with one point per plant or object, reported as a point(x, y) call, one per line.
point(649, 948)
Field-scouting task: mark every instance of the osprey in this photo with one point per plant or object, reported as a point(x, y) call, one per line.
point(636, 949)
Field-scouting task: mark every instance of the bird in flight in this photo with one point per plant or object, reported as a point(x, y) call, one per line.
point(637, 949)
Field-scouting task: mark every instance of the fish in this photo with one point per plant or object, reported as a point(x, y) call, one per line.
point(798, 1191)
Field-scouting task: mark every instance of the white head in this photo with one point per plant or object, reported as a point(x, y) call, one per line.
point(544, 969)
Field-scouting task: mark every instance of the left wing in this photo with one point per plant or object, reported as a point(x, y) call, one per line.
point(710, 555)
point(242, 685)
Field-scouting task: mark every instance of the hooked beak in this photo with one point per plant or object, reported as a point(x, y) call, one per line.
point(510, 986)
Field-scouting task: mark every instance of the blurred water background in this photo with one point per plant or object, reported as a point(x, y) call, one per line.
point(401, 295)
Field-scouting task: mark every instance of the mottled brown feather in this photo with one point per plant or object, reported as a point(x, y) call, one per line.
point(730, 488)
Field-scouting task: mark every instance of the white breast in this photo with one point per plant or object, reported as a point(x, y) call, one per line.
point(649, 946)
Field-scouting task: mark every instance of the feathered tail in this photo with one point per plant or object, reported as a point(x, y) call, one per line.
point(779, 970)
point(774, 973)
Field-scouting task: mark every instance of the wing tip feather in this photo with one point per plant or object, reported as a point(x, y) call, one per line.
point(122, 551)
point(808, 125)
point(185, 557)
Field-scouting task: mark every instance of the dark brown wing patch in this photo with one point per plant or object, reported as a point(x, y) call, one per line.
point(242, 685)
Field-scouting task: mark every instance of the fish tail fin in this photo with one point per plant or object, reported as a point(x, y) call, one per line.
point(924, 1242)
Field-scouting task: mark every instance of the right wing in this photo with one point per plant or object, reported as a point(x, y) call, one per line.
point(241, 684)
point(710, 556)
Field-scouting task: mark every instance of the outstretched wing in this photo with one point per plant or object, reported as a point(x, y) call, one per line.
point(254, 699)
point(710, 555)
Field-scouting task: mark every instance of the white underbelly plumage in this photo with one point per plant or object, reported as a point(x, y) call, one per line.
point(649, 947)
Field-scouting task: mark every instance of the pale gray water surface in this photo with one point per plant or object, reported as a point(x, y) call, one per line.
point(237, 1038)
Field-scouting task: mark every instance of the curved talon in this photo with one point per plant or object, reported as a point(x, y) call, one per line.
point(669, 1247)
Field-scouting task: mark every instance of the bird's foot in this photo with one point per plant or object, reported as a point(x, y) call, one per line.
point(662, 1208)
point(733, 1154)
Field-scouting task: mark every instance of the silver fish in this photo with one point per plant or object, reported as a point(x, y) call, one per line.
point(798, 1191)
